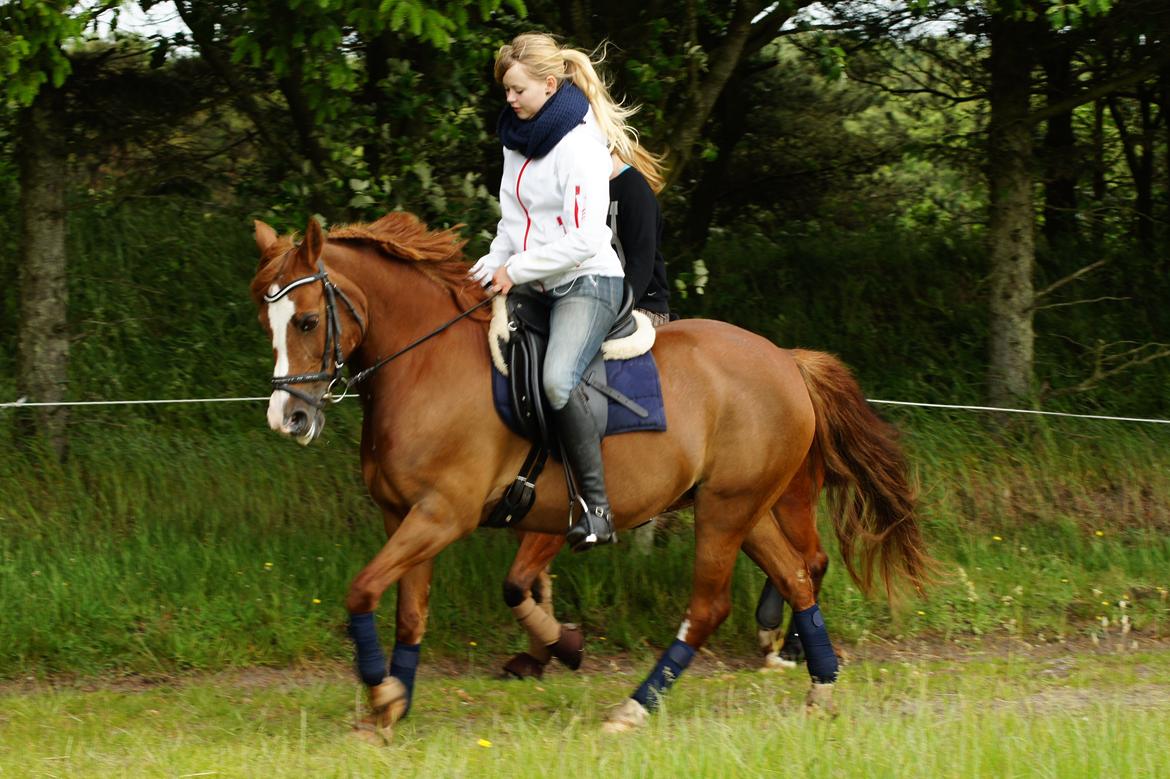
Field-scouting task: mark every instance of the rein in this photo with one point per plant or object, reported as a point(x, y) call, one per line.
point(363, 374)
point(332, 373)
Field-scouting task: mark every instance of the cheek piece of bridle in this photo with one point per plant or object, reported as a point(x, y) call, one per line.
point(331, 369)
point(332, 359)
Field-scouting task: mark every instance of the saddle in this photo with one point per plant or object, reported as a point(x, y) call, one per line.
point(518, 339)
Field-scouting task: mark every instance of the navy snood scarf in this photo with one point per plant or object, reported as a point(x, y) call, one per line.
point(536, 137)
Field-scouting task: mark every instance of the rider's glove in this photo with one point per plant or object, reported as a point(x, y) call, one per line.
point(483, 271)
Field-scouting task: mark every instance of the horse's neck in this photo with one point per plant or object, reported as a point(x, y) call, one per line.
point(403, 305)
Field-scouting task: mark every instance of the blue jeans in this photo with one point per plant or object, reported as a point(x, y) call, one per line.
point(583, 311)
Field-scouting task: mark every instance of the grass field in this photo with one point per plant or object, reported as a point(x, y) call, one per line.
point(156, 550)
point(173, 607)
point(998, 709)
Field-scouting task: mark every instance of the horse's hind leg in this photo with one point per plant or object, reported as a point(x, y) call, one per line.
point(717, 542)
point(528, 592)
point(796, 514)
point(770, 549)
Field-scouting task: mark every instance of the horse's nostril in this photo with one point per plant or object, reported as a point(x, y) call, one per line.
point(298, 422)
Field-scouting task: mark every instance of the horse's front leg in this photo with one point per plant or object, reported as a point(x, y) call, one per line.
point(407, 557)
point(528, 593)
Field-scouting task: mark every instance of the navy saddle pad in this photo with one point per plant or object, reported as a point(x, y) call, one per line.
point(636, 378)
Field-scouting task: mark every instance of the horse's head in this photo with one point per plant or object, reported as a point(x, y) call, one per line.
point(316, 318)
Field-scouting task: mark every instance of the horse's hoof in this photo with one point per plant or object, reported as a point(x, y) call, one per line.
point(774, 662)
point(819, 701)
point(570, 647)
point(523, 666)
point(631, 715)
point(793, 656)
point(388, 702)
point(367, 731)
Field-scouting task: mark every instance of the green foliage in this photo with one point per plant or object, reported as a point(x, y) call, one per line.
point(32, 36)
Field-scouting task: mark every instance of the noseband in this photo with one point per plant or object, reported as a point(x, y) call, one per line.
point(330, 369)
point(333, 342)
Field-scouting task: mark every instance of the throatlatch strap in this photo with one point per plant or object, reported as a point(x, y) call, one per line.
point(818, 649)
point(369, 660)
point(670, 666)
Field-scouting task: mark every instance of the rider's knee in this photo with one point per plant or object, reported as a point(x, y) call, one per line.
point(557, 389)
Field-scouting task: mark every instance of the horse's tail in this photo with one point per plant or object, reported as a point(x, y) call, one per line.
point(871, 495)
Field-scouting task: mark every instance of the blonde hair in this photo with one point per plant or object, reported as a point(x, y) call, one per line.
point(542, 56)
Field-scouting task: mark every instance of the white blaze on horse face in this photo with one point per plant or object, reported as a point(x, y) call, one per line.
point(280, 314)
point(683, 630)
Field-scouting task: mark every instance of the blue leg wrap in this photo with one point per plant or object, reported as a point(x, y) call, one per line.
point(769, 608)
point(818, 650)
point(670, 666)
point(403, 664)
point(370, 661)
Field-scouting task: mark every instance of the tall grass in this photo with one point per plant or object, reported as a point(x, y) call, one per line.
point(154, 550)
point(180, 537)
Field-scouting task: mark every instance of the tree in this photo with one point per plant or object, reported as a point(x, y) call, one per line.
point(35, 68)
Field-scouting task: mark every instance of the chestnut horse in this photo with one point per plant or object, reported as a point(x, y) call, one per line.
point(752, 431)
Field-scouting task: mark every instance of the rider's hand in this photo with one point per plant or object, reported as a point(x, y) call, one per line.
point(501, 281)
point(482, 272)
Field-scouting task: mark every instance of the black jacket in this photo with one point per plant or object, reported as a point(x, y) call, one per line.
point(636, 222)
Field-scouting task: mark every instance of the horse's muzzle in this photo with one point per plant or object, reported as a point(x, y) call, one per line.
point(295, 419)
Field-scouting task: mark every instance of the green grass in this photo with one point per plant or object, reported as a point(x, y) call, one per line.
point(154, 551)
point(1060, 714)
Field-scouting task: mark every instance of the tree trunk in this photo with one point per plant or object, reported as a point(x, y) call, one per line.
point(722, 63)
point(378, 53)
point(1099, 187)
point(732, 110)
point(1164, 84)
point(1011, 243)
point(1061, 159)
point(1144, 175)
point(1139, 159)
point(43, 351)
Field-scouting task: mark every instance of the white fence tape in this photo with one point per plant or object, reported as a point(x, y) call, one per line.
point(22, 403)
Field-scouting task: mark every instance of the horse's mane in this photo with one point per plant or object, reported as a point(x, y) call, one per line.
point(403, 236)
point(400, 236)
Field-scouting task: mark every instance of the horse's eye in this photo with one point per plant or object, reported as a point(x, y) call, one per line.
point(309, 323)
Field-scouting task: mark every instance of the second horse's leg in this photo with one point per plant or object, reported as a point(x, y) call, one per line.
point(795, 513)
point(786, 568)
point(547, 638)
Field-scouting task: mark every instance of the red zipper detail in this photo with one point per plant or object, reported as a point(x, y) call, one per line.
point(528, 225)
point(561, 222)
point(576, 215)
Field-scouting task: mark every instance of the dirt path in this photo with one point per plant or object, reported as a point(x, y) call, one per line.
point(1053, 659)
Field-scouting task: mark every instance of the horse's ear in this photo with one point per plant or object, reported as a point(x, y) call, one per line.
point(314, 240)
point(265, 236)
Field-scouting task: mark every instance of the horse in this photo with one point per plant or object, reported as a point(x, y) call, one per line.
point(753, 432)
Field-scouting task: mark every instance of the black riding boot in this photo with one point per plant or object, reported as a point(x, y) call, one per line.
point(581, 442)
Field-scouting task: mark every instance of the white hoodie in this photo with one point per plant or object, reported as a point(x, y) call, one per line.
point(552, 212)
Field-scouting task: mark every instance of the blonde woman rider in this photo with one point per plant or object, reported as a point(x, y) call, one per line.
point(557, 131)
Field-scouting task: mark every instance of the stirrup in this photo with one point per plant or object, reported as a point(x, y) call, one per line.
point(594, 527)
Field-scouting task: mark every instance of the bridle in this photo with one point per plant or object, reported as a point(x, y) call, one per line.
point(331, 371)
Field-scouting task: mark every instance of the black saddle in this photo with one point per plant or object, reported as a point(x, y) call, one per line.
point(528, 325)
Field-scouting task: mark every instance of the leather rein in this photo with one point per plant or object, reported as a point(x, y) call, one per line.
point(331, 369)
